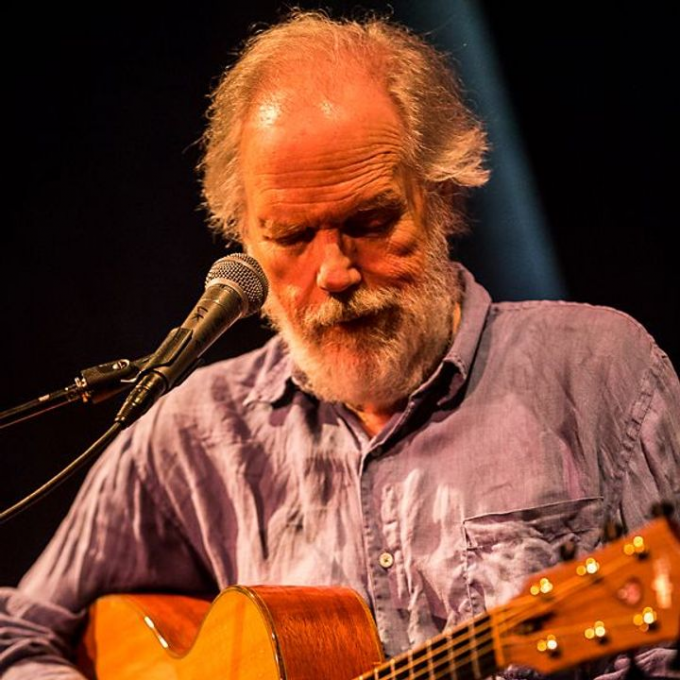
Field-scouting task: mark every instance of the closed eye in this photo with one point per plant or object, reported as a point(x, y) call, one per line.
point(375, 222)
point(293, 236)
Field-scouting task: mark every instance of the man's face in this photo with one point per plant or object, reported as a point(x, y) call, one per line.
point(335, 220)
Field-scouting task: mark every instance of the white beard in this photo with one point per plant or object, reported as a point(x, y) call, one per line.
point(373, 346)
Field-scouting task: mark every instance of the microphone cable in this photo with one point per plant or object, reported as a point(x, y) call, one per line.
point(62, 476)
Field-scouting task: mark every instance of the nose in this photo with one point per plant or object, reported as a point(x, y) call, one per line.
point(337, 271)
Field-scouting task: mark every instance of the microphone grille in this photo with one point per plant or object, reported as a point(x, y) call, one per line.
point(245, 271)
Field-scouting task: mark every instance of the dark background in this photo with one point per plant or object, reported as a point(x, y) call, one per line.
point(106, 246)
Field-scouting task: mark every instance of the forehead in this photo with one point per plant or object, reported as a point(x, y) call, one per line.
point(309, 155)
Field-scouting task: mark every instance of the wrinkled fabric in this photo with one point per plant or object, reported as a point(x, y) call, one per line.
point(543, 420)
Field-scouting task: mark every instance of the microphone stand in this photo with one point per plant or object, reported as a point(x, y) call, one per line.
point(92, 386)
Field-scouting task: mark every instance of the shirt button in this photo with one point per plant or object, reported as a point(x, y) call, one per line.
point(386, 560)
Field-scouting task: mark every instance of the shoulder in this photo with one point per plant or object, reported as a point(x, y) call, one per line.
point(574, 329)
point(213, 398)
point(200, 421)
point(230, 383)
point(585, 349)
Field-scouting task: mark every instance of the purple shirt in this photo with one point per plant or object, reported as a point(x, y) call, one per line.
point(543, 420)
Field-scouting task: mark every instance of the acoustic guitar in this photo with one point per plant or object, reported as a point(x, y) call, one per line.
point(623, 596)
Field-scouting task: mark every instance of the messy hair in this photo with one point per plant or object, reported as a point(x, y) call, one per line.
point(443, 141)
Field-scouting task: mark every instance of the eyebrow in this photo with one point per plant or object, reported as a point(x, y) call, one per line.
point(387, 200)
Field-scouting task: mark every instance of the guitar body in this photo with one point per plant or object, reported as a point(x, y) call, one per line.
point(258, 633)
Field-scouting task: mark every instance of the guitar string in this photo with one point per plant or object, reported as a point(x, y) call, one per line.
point(520, 607)
point(442, 667)
point(445, 644)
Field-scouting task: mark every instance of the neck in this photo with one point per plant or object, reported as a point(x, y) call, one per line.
point(373, 419)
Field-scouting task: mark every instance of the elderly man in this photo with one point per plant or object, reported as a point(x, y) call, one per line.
point(401, 434)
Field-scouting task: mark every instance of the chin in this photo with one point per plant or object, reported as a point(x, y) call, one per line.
point(357, 368)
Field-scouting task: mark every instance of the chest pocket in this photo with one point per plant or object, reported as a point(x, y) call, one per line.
point(503, 549)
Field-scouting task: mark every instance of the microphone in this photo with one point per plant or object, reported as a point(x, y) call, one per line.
point(235, 287)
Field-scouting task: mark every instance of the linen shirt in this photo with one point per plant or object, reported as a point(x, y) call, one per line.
point(543, 420)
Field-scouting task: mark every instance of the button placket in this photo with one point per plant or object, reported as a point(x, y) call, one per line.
point(378, 552)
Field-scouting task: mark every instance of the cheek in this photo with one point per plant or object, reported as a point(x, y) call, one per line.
point(398, 260)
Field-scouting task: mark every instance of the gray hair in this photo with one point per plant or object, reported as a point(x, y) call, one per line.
point(444, 142)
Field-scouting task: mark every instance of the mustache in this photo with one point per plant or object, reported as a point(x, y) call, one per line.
point(346, 308)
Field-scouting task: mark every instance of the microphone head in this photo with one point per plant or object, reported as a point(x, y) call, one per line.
point(243, 274)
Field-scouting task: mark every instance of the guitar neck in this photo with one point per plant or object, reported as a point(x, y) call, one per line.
point(463, 653)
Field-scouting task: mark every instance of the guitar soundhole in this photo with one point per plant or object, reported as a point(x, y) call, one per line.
point(630, 593)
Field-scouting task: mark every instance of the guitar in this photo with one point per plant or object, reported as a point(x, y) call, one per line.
point(623, 596)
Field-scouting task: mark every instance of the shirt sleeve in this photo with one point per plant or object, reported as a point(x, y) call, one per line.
point(112, 540)
point(650, 472)
point(652, 469)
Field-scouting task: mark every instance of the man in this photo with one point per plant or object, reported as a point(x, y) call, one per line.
point(401, 435)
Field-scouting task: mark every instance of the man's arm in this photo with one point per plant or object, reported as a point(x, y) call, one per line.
point(117, 537)
point(650, 472)
point(650, 458)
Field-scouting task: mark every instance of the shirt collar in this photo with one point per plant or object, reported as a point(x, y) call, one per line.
point(476, 304)
point(455, 366)
point(277, 372)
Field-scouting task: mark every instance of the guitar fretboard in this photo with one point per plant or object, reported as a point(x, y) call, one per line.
point(465, 653)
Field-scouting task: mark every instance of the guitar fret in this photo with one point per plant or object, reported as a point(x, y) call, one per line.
point(403, 667)
point(486, 659)
point(431, 667)
point(411, 665)
point(385, 672)
point(453, 655)
point(419, 669)
point(473, 651)
point(461, 656)
point(443, 659)
point(459, 664)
